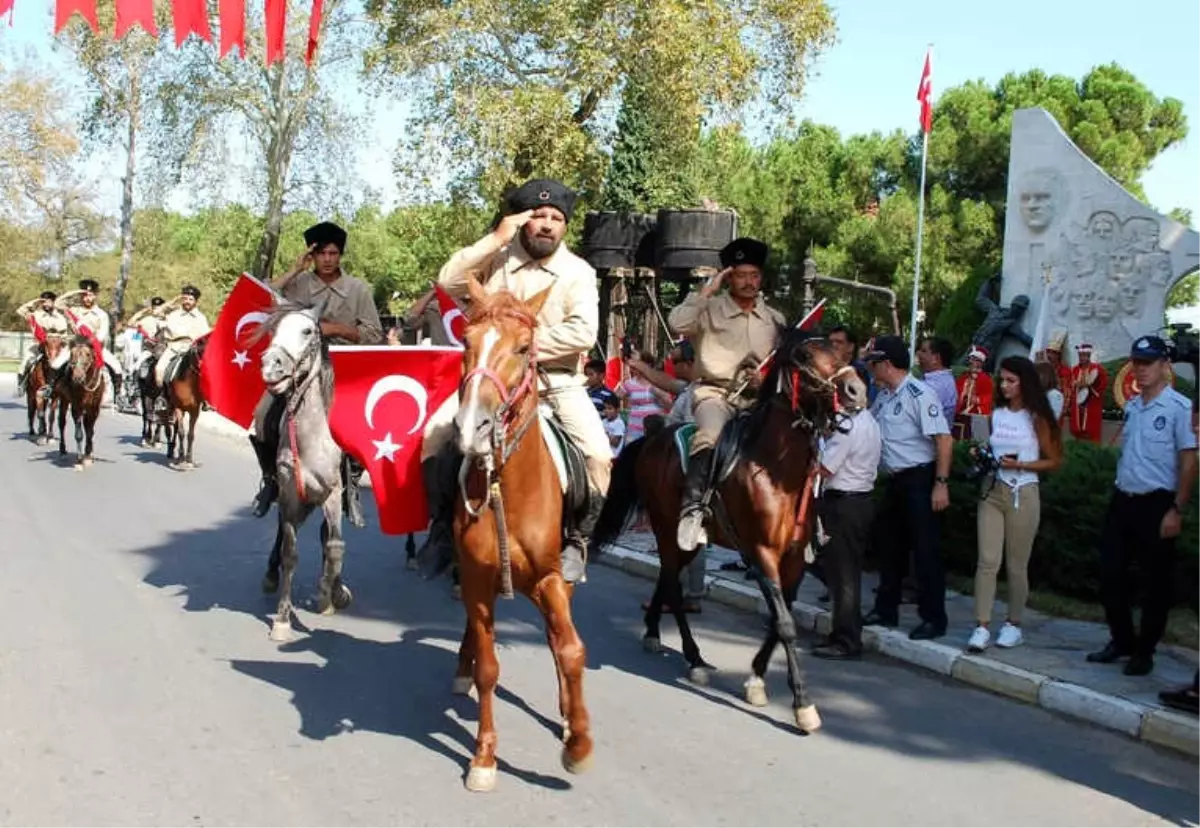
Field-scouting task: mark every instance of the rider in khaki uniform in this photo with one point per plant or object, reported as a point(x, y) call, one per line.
point(524, 254)
point(51, 320)
point(182, 324)
point(349, 317)
point(95, 319)
point(732, 333)
point(149, 324)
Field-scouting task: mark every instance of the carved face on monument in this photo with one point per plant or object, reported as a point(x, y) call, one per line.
point(1102, 227)
point(1083, 262)
point(1105, 307)
point(1120, 263)
point(1041, 193)
point(1160, 269)
point(1141, 234)
point(1132, 297)
point(1082, 299)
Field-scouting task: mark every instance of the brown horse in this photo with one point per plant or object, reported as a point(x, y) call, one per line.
point(761, 504)
point(81, 388)
point(508, 524)
point(184, 398)
point(40, 400)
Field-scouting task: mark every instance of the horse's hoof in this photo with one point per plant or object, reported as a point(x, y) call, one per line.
point(281, 631)
point(808, 719)
point(342, 596)
point(270, 582)
point(461, 686)
point(575, 766)
point(326, 608)
point(700, 676)
point(144, 444)
point(87, 461)
point(566, 731)
point(456, 592)
point(651, 644)
point(411, 564)
point(481, 780)
point(79, 466)
point(756, 692)
point(41, 441)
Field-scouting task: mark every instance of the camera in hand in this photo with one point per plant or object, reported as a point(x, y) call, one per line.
point(984, 464)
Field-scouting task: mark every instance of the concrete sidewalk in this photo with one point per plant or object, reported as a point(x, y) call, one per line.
point(1049, 669)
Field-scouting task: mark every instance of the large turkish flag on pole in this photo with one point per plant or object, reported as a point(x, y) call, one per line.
point(382, 399)
point(231, 373)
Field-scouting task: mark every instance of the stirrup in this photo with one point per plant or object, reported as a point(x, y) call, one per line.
point(268, 492)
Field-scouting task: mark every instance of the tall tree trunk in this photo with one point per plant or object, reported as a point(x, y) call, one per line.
point(279, 155)
point(118, 305)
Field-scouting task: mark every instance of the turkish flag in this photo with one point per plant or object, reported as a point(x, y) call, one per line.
point(276, 17)
point(39, 333)
point(925, 92)
point(190, 16)
point(85, 331)
point(232, 17)
point(230, 376)
point(452, 316)
point(135, 12)
point(810, 321)
point(63, 9)
point(382, 399)
point(613, 372)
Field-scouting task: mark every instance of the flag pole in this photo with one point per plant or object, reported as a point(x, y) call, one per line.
point(924, 92)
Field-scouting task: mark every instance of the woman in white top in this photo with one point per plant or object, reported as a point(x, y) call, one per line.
point(1026, 439)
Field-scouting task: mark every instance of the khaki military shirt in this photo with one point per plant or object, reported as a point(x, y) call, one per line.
point(723, 334)
point(94, 318)
point(52, 322)
point(570, 316)
point(183, 325)
point(151, 326)
point(349, 303)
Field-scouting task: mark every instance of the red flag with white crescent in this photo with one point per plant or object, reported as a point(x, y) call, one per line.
point(452, 316)
point(810, 321)
point(383, 398)
point(230, 374)
point(925, 92)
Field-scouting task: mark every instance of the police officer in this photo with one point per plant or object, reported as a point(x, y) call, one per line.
point(849, 463)
point(916, 463)
point(731, 333)
point(1154, 481)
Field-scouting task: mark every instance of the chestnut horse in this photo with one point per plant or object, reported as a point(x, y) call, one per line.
point(508, 524)
point(184, 398)
point(762, 507)
point(81, 388)
point(40, 400)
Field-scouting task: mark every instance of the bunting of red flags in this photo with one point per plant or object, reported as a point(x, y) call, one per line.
point(191, 17)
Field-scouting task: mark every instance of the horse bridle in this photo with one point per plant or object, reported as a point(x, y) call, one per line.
point(98, 367)
point(293, 404)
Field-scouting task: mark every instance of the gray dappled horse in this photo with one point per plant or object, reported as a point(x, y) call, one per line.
point(296, 367)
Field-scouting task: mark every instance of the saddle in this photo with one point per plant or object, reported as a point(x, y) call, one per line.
point(568, 461)
point(727, 452)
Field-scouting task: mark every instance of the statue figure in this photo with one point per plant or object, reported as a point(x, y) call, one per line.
point(1000, 322)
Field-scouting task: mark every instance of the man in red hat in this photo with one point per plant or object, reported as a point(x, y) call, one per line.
point(1086, 395)
point(975, 392)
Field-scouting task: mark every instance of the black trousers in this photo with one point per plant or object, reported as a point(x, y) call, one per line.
point(846, 518)
point(907, 521)
point(1131, 533)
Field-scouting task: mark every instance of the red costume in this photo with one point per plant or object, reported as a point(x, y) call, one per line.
point(976, 394)
point(1087, 407)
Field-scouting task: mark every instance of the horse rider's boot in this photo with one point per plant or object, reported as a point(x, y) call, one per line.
point(690, 533)
point(268, 489)
point(351, 498)
point(574, 553)
point(116, 383)
point(437, 552)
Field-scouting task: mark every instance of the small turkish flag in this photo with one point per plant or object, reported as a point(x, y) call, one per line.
point(809, 322)
point(39, 333)
point(452, 316)
point(230, 374)
point(382, 399)
point(925, 92)
point(85, 331)
point(613, 371)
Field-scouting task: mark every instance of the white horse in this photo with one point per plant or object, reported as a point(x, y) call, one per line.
point(296, 367)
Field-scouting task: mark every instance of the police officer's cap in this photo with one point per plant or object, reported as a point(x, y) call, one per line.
point(1149, 347)
point(744, 251)
point(543, 192)
point(156, 301)
point(49, 294)
point(90, 285)
point(326, 233)
point(890, 348)
point(190, 290)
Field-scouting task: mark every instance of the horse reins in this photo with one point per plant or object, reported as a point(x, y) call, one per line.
point(293, 405)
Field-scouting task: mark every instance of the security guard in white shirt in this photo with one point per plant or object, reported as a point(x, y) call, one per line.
point(849, 463)
point(916, 462)
point(1154, 481)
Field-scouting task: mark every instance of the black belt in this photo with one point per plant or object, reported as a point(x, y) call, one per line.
point(834, 494)
point(924, 467)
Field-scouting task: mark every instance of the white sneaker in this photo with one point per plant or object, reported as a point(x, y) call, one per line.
point(1010, 636)
point(979, 640)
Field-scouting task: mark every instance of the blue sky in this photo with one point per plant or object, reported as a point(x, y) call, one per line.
point(868, 80)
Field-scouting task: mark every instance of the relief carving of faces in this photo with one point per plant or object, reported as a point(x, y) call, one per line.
point(1103, 226)
point(1160, 269)
point(1083, 262)
point(1120, 263)
point(1105, 307)
point(1041, 194)
point(1082, 299)
point(1132, 297)
point(1141, 234)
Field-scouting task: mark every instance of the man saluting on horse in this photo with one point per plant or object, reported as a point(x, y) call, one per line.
point(41, 313)
point(348, 317)
point(182, 324)
point(732, 333)
point(87, 314)
point(525, 255)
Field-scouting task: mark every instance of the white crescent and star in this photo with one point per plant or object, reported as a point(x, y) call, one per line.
point(400, 384)
point(252, 318)
point(448, 323)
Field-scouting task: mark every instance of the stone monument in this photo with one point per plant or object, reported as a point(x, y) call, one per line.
point(1112, 259)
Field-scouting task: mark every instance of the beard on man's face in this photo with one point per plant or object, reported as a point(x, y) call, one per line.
point(538, 245)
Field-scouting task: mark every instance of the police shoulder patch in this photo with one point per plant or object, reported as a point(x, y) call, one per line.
point(915, 390)
point(933, 410)
point(1160, 422)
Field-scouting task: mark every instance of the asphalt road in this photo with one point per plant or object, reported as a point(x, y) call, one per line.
point(138, 686)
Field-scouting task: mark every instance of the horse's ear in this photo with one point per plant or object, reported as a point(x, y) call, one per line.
point(539, 299)
point(474, 287)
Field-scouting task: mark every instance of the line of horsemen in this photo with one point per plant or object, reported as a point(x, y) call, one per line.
point(732, 333)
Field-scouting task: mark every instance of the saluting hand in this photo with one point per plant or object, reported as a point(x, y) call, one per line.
point(509, 225)
point(305, 261)
point(714, 284)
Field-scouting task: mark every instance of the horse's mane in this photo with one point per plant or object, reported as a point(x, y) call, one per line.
point(500, 303)
point(778, 381)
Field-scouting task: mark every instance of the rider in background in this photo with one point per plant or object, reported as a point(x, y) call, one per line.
point(146, 323)
point(182, 324)
point(41, 313)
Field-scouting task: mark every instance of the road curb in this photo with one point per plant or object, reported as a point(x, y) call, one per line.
point(1149, 724)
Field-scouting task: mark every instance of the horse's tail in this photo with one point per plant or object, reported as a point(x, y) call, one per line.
point(623, 497)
